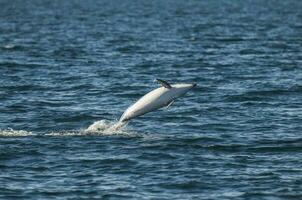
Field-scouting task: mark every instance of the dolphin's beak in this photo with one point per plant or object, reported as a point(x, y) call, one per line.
point(194, 85)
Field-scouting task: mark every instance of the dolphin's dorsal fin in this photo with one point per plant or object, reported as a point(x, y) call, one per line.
point(164, 83)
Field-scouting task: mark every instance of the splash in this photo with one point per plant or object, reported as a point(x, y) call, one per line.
point(14, 133)
point(105, 127)
point(102, 127)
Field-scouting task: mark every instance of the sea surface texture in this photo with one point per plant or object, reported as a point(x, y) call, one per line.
point(69, 65)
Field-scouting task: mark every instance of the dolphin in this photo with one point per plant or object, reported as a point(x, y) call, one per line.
point(163, 96)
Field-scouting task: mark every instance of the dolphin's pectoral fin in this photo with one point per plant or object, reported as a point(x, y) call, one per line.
point(164, 83)
point(169, 104)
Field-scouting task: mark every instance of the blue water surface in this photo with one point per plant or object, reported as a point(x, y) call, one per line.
point(65, 65)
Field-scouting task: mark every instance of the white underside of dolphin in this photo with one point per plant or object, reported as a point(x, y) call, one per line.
point(156, 99)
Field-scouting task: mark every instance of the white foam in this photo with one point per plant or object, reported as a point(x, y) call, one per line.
point(14, 133)
point(104, 127)
point(9, 46)
point(65, 133)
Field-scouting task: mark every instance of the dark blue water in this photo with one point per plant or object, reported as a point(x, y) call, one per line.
point(65, 65)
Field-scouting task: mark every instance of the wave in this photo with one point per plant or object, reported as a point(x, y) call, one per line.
point(264, 94)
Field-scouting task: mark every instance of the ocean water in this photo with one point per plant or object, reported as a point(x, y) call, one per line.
point(67, 65)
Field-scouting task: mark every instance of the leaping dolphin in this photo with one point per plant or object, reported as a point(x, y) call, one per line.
point(156, 99)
